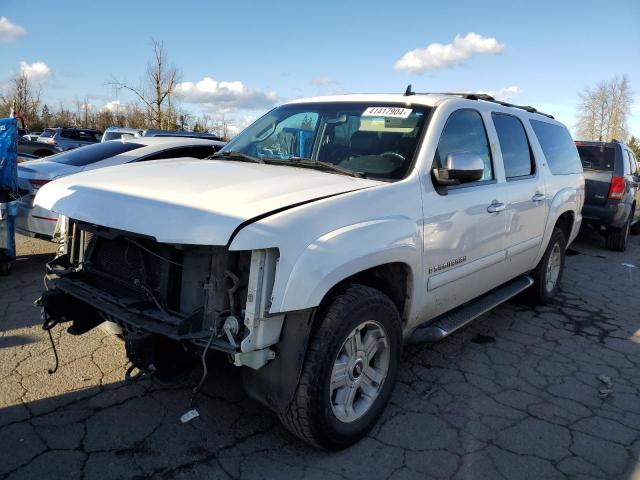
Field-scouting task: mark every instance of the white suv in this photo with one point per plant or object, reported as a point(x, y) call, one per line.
point(322, 237)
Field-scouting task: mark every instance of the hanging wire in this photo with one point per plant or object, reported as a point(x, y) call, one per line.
point(53, 370)
point(205, 371)
point(168, 260)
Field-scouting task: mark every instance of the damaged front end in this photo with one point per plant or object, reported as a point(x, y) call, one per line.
point(164, 297)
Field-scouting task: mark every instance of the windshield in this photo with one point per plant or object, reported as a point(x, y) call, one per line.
point(372, 139)
point(49, 132)
point(115, 135)
point(82, 156)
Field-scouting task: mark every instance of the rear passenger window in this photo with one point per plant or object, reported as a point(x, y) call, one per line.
point(85, 136)
point(464, 132)
point(514, 145)
point(558, 148)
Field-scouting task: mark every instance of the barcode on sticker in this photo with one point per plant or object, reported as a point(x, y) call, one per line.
point(393, 112)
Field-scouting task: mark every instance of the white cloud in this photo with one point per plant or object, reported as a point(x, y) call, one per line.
point(112, 106)
point(9, 31)
point(234, 126)
point(504, 93)
point(322, 80)
point(36, 71)
point(227, 96)
point(437, 55)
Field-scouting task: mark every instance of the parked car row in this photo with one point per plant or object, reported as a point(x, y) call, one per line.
point(55, 140)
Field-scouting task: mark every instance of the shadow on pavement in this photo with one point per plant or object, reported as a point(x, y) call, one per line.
point(16, 340)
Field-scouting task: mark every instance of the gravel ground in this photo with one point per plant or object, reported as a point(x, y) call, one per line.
point(521, 393)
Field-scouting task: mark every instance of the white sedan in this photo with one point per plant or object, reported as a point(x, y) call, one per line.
point(36, 221)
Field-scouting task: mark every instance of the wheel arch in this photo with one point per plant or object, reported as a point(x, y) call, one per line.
point(565, 222)
point(394, 279)
point(564, 212)
point(366, 253)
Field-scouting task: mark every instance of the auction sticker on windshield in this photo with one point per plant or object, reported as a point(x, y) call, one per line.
point(393, 112)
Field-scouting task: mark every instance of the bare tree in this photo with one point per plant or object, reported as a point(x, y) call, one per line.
point(22, 97)
point(604, 110)
point(157, 88)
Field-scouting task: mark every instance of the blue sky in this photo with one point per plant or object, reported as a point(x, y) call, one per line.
point(257, 53)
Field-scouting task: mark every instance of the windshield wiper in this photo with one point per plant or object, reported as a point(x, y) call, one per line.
point(243, 157)
point(326, 166)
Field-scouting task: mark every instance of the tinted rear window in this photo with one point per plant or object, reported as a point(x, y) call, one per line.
point(93, 153)
point(114, 135)
point(558, 148)
point(597, 157)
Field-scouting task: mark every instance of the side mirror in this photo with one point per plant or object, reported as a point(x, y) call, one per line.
point(459, 167)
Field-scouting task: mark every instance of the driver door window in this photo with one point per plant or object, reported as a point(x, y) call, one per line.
point(464, 132)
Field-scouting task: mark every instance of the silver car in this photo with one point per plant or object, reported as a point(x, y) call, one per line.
point(37, 221)
point(68, 138)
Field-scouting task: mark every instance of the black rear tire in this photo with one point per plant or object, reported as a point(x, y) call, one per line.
point(540, 293)
point(635, 228)
point(312, 416)
point(617, 238)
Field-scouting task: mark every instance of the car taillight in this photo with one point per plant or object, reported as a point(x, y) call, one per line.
point(616, 190)
point(38, 183)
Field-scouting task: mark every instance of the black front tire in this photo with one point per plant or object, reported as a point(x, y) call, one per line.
point(539, 292)
point(311, 415)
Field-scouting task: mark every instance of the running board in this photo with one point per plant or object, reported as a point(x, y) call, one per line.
point(450, 322)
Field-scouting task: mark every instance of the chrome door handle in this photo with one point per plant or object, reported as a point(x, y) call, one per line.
point(496, 207)
point(538, 197)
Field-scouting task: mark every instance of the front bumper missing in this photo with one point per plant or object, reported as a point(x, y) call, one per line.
point(67, 288)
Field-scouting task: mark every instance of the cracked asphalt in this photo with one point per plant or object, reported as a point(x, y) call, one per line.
point(547, 393)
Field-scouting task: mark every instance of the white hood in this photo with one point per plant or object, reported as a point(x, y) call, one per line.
point(188, 201)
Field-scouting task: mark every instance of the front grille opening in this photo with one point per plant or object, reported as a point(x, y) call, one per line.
point(166, 282)
point(138, 270)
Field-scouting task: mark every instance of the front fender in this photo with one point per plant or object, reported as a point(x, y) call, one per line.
point(344, 252)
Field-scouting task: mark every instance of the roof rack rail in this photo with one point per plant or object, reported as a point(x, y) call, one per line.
point(489, 98)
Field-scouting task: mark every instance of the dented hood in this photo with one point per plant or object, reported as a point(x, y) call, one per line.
point(188, 201)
